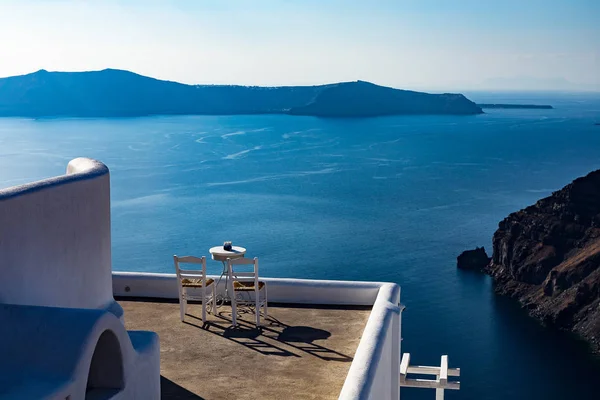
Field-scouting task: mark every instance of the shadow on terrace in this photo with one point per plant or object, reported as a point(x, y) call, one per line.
point(300, 352)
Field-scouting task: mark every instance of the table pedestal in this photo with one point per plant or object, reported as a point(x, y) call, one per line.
point(219, 254)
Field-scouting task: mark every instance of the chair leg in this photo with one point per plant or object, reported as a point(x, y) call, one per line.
point(182, 305)
point(233, 311)
point(266, 307)
point(203, 304)
point(214, 299)
point(233, 305)
point(257, 309)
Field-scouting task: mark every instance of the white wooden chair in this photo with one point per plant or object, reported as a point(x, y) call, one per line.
point(194, 279)
point(243, 279)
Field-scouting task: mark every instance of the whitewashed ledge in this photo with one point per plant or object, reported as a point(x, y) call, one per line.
point(281, 290)
point(375, 371)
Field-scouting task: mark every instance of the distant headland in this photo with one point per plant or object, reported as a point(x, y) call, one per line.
point(532, 106)
point(118, 93)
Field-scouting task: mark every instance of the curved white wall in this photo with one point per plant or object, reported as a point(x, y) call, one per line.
point(55, 245)
point(375, 370)
point(48, 353)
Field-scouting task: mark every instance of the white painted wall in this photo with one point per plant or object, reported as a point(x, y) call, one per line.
point(56, 297)
point(280, 290)
point(55, 247)
point(375, 372)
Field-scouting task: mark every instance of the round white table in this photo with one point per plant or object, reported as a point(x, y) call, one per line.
point(218, 253)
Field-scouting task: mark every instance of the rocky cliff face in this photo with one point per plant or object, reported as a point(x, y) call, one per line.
point(475, 260)
point(548, 256)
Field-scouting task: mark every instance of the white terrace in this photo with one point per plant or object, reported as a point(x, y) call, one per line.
point(63, 335)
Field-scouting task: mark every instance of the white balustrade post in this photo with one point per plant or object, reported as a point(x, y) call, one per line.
point(440, 384)
point(439, 394)
point(397, 352)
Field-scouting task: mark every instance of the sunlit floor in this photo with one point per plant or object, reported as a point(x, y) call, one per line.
point(300, 352)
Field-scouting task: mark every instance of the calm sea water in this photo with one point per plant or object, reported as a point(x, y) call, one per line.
point(388, 199)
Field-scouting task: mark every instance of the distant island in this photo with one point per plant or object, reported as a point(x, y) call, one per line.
point(118, 93)
point(534, 106)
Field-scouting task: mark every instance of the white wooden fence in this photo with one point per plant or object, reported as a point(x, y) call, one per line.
point(441, 373)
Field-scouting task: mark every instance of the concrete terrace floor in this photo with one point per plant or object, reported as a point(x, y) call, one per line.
point(301, 352)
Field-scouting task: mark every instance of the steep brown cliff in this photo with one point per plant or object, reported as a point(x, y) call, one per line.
point(548, 257)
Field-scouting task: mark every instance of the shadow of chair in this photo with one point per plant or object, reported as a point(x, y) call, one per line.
point(245, 334)
point(304, 334)
point(301, 338)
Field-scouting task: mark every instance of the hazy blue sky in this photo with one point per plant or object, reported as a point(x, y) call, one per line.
point(443, 44)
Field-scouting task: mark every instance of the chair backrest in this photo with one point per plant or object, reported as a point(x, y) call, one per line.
point(246, 268)
point(190, 273)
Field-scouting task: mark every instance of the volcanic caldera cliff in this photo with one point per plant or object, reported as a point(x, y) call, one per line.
point(548, 256)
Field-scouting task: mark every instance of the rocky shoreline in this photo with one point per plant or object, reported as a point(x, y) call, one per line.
point(548, 257)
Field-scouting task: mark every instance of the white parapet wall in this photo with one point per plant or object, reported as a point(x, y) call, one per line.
point(375, 372)
point(281, 290)
point(55, 247)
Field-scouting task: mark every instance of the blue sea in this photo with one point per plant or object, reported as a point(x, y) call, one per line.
point(385, 199)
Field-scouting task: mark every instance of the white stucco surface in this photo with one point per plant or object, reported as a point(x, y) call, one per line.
point(61, 332)
point(281, 290)
point(375, 371)
point(47, 354)
point(55, 247)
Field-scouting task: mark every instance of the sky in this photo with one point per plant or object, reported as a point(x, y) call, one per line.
point(413, 44)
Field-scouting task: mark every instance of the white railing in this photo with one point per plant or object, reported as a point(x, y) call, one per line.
point(374, 373)
point(441, 373)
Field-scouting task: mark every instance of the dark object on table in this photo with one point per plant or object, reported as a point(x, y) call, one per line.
point(227, 246)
